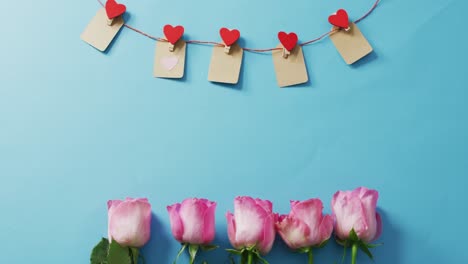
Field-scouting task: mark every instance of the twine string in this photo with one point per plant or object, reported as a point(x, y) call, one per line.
point(212, 43)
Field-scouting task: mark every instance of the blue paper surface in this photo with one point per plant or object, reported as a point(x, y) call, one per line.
point(78, 127)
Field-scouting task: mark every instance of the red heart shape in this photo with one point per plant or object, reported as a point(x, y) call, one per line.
point(173, 34)
point(113, 9)
point(289, 41)
point(340, 19)
point(229, 36)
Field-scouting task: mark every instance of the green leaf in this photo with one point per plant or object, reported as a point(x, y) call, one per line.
point(193, 250)
point(364, 248)
point(234, 251)
point(259, 257)
point(251, 248)
point(208, 247)
point(303, 250)
point(118, 254)
point(353, 236)
point(373, 245)
point(134, 254)
point(99, 253)
point(182, 249)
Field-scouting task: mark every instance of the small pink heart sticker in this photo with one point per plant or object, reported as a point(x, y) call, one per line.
point(169, 63)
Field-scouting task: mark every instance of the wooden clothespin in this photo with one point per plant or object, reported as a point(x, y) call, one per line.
point(340, 19)
point(171, 47)
point(114, 10)
point(227, 49)
point(110, 21)
point(173, 34)
point(289, 42)
point(229, 37)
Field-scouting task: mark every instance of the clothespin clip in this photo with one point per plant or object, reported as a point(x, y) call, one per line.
point(171, 47)
point(110, 22)
point(340, 19)
point(289, 42)
point(114, 10)
point(173, 34)
point(229, 37)
point(227, 49)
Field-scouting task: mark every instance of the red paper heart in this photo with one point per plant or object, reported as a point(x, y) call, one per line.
point(113, 9)
point(229, 36)
point(173, 34)
point(340, 19)
point(289, 41)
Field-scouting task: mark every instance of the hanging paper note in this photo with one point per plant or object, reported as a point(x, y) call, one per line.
point(104, 26)
point(347, 38)
point(170, 64)
point(225, 68)
point(226, 62)
point(289, 61)
point(169, 61)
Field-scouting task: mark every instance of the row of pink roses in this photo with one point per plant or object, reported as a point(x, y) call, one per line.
point(253, 225)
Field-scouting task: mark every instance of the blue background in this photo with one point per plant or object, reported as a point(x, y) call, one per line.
point(78, 127)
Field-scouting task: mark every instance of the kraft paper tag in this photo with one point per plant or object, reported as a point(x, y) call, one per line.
point(169, 64)
point(225, 68)
point(351, 44)
point(292, 70)
point(100, 35)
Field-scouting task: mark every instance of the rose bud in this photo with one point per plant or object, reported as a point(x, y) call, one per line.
point(129, 221)
point(305, 226)
point(356, 221)
point(251, 226)
point(193, 221)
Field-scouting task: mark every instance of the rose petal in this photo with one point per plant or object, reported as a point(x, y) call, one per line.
point(192, 213)
point(294, 232)
point(309, 212)
point(209, 223)
point(266, 243)
point(231, 223)
point(349, 213)
point(369, 203)
point(265, 204)
point(177, 226)
point(379, 226)
point(249, 221)
point(325, 229)
point(110, 209)
point(130, 223)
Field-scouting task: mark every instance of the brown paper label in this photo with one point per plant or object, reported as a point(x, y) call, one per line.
point(292, 70)
point(225, 68)
point(100, 35)
point(169, 64)
point(351, 44)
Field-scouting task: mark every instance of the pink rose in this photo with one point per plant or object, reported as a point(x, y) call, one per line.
point(252, 224)
point(193, 221)
point(357, 209)
point(305, 226)
point(129, 221)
